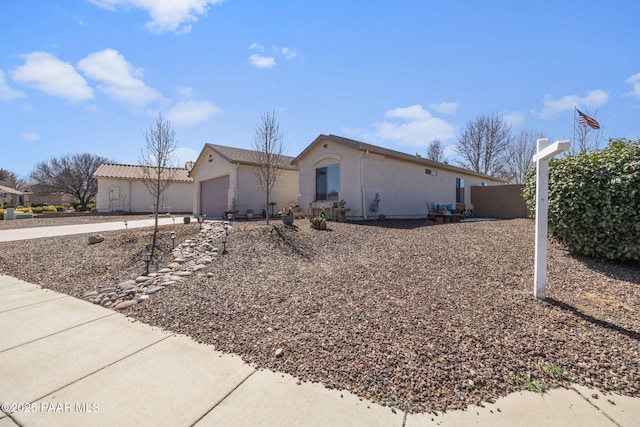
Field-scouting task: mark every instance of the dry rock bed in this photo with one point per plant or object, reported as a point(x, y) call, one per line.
point(417, 317)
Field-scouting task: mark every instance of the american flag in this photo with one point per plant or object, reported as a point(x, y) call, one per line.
point(588, 120)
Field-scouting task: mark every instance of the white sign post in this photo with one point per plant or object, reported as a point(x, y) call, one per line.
point(544, 153)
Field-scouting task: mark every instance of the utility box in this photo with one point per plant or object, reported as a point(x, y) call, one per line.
point(9, 213)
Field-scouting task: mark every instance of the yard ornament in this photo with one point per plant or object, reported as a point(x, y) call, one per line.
point(375, 206)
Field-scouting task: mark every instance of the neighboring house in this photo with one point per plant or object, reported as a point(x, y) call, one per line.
point(224, 180)
point(40, 194)
point(374, 180)
point(121, 189)
point(11, 196)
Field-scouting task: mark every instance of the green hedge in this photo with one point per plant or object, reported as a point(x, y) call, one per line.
point(594, 201)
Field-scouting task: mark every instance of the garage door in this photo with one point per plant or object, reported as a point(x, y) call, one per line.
point(213, 196)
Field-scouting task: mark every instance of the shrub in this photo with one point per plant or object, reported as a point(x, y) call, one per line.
point(594, 201)
point(319, 222)
point(61, 209)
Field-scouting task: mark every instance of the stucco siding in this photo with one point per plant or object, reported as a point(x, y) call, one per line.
point(214, 166)
point(319, 156)
point(117, 195)
point(244, 188)
point(404, 188)
point(252, 196)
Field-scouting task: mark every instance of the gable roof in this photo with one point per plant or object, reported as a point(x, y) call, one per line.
point(239, 155)
point(363, 146)
point(10, 190)
point(135, 172)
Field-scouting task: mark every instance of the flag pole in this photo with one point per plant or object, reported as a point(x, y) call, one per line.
point(573, 137)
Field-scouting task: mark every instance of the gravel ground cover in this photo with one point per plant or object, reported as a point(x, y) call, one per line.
point(62, 220)
point(418, 317)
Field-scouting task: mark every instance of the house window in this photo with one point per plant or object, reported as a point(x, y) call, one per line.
point(460, 190)
point(328, 183)
point(431, 172)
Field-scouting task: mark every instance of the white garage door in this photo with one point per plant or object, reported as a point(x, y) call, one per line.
point(213, 196)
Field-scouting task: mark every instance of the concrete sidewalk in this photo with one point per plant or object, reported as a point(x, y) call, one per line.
point(64, 230)
point(67, 362)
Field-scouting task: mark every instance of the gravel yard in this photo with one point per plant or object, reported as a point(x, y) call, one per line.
point(83, 218)
point(419, 317)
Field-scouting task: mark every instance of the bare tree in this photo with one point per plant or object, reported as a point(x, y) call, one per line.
point(483, 144)
point(9, 179)
point(585, 137)
point(157, 161)
point(268, 149)
point(70, 174)
point(520, 152)
point(435, 151)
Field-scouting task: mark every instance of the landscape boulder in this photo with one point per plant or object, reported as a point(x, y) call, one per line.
point(95, 238)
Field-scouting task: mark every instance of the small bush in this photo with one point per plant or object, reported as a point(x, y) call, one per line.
point(61, 209)
point(594, 201)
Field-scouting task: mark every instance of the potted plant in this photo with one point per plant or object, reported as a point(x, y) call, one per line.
point(319, 222)
point(286, 213)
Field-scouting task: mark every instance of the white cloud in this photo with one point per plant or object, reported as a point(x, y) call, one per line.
point(635, 81)
point(552, 107)
point(30, 136)
point(414, 126)
point(166, 15)
point(262, 61)
point(6, 93)
point(445, 107)
point(47, 73)
point(414, 112)
point(514, 118)
point(118, 78)
point(288, 52)
point(184, 155)
point(188, 113)
point(80, 21)
point(185, 91)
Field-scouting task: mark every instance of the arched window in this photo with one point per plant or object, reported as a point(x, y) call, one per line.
point(328, 183)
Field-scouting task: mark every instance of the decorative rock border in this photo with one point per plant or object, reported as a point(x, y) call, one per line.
point(193, 256)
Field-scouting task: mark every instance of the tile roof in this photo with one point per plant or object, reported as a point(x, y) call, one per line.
point(114, 170)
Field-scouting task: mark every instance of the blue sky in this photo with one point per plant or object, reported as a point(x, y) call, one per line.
point(90, 75)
